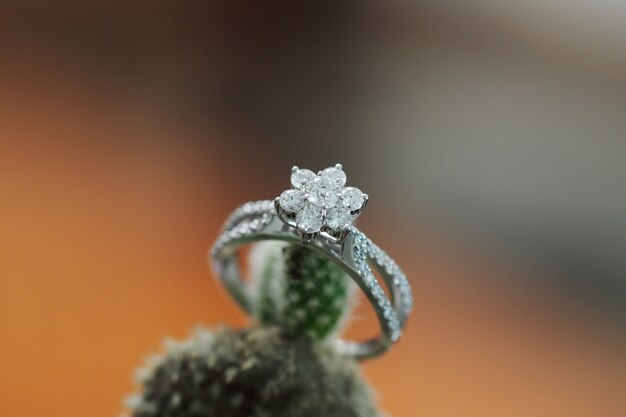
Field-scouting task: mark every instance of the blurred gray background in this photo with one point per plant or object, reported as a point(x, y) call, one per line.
point(502, 122)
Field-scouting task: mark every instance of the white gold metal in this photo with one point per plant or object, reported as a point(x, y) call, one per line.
point(354, 252)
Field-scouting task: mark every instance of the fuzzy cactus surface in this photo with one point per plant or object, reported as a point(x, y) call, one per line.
point(258, 372)
point(283, 366)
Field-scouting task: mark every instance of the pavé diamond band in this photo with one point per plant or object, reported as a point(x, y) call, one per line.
point(318, 212)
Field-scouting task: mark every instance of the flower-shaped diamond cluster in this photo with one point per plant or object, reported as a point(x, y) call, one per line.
point(321, 202)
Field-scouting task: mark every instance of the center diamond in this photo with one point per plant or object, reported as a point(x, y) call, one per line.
point(320, 202)
point(323, 193)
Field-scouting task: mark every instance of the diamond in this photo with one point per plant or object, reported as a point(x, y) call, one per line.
point(352, 198)
point(338, 218)
point(310, 219)
point(300, 177)
point(335, 176)
point(291, 200)
point(312, 199)
point(322, 192)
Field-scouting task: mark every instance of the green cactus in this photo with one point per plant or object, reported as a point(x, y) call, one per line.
point(282, 368)
point(300, 290)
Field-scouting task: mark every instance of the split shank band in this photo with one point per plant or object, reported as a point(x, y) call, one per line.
point(348, 247)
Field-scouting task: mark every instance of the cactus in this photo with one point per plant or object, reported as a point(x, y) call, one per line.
point(251, 373)
point(300, 290)
point(283, 367)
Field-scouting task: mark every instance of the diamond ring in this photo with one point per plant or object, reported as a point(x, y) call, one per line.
point(319, 212)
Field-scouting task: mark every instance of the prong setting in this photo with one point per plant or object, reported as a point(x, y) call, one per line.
point(320, 204)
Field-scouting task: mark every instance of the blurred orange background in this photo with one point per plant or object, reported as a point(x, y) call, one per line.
point(111, 200)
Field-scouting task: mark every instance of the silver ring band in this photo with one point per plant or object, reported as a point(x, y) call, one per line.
point(354, 253)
